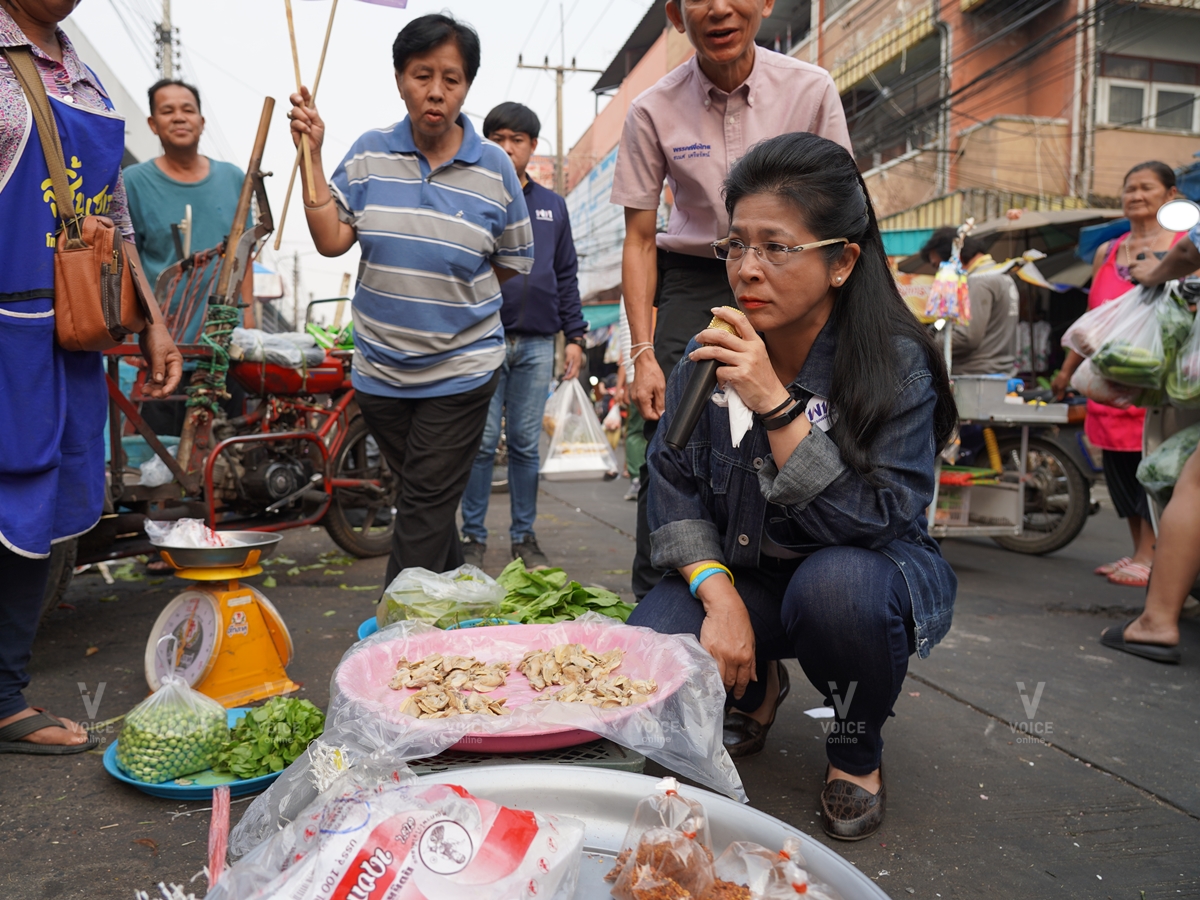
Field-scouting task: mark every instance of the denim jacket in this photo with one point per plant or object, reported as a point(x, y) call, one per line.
point(712, 501)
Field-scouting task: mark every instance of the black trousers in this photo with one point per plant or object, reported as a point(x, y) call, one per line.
point(688, 288)
point(22, 589)
point(430, 445)
point(1120, 474)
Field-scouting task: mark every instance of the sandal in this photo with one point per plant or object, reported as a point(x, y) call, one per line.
point(12, 733)
point(744, 736)
point(850, 812)
point(1132, 575)
point(1109, 568)
point(1114, 638)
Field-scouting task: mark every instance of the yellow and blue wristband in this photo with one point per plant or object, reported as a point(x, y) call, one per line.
point(706, 571)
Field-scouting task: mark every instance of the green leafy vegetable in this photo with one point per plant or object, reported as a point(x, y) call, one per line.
point(270, 737)
point(545, 595)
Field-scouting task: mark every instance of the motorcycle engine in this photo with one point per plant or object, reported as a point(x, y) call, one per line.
point(274, 478)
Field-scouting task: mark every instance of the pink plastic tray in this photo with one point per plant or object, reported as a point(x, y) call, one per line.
point(364, 677)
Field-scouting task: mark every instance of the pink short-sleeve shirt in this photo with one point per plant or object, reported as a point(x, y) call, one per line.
point(689, 132)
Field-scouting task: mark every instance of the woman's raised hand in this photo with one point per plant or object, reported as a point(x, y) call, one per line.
point(306, 120)
point(744, 362)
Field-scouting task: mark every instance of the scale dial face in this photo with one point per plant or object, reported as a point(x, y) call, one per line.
point(194, 617)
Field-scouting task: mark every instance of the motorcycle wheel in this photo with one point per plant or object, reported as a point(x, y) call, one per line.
point(1057, 497)
point(358, 522)
point(62, 569)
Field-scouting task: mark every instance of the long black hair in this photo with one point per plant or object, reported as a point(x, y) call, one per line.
point(821, 180)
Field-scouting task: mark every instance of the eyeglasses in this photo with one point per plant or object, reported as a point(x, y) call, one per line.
point(732, 250)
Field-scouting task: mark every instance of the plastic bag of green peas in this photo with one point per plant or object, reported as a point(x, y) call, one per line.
point(175, 731)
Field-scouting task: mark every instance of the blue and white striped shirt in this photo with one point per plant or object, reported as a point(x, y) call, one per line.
point(427, 308)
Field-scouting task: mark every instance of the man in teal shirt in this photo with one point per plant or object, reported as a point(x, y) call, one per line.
point(160, 190)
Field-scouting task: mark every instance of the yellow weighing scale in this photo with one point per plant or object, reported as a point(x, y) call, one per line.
point(232, 644)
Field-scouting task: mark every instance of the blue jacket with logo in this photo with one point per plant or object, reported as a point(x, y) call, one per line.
point(714, 501)
point(546, 301)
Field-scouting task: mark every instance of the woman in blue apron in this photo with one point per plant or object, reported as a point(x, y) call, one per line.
point(52, 402)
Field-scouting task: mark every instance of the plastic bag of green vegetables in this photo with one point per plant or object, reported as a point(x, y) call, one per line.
point(270, 738)
point(421, 595)
point(1183, 380)
point(1134, 352)
point(175, 731)
point(1159, 471)
point(545, 596)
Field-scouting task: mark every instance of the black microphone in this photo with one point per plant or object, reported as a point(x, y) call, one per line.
point(701, 384)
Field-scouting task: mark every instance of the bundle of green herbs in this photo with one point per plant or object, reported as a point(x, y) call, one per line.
point(270, 738)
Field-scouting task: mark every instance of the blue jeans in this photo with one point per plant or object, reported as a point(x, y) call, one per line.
point(844, 613)
point(520, 399)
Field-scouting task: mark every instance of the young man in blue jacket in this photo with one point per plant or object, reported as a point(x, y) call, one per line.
point(536, 307)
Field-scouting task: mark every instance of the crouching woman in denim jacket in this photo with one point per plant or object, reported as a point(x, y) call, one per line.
point(808, 540)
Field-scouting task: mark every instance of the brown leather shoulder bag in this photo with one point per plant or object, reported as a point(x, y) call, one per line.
point(98, 301)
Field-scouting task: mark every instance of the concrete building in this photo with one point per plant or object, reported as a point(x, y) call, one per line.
point(955, 107)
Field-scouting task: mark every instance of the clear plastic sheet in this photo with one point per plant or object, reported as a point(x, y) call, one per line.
point(1159, 471)
point(1095, 386)
point(679, 727)
point(294, 350)
point(374, 830)
point(440, 599)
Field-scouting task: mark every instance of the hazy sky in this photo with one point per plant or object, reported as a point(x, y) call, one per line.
point(237, 51)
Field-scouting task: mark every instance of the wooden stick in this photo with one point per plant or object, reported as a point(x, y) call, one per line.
point(305, 149)
point(287, 199)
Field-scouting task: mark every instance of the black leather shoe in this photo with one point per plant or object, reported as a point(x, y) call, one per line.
point(742, 735)
point(850, 812)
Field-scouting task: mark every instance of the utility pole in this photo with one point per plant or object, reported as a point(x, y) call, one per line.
point(166, 43)
point(296, 291)
point(560, 176)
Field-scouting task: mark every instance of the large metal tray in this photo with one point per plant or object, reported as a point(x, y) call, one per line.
point(256, 544)
point(604, 801)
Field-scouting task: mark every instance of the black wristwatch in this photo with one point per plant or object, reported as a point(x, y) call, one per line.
point(578, 342)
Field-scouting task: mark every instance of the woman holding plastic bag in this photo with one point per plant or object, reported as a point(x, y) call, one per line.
point(1117, 429)
point(806, 537)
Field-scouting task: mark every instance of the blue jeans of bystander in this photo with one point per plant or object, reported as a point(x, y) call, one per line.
point(844, 613)
point(520, 400)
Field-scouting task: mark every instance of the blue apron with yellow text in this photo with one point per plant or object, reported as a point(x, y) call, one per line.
point(52, 401)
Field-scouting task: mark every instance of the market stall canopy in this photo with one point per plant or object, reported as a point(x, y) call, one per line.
point(1049, 231)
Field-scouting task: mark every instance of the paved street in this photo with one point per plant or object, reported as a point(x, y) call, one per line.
point(1108, 806)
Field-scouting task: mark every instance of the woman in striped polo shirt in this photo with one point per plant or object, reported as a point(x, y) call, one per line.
point(441, 221)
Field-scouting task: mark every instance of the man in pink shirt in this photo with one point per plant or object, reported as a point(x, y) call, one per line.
point(689, 129)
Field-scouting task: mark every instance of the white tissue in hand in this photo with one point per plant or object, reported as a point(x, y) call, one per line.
point(740, 416)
